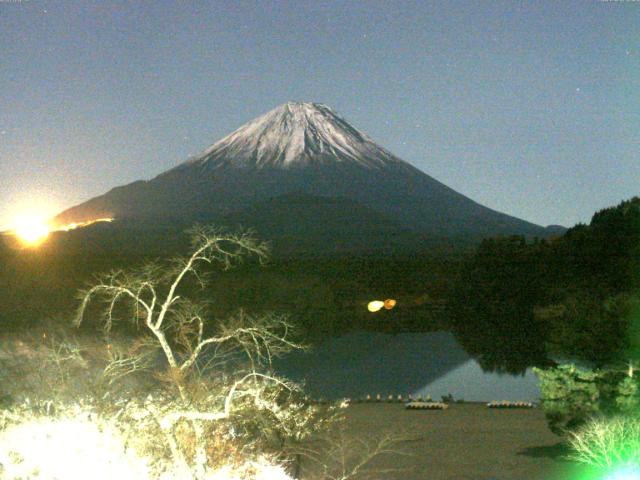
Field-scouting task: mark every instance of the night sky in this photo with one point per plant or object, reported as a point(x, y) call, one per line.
point(530, 108)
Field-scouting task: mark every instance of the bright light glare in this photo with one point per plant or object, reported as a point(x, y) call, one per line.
point(32, 230)
point(375, 306)
point(625, 474)
point(79, 447)
point(69, 449)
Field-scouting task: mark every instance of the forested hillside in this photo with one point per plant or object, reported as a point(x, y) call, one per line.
point(517, 303)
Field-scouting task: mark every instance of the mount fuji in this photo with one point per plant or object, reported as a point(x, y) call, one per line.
point(301, 170)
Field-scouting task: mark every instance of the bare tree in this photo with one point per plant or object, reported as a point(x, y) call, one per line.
point(178, 325)
point(153, 292)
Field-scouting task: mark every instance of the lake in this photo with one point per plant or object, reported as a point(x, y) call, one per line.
point(364, 363)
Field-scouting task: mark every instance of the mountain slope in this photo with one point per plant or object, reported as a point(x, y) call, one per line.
point(298, 223)
point(305, 148)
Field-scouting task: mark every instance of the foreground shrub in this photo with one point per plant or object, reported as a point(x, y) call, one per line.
point(76, 443)
point(53, 440)
point(607, 442)
point(571, 396)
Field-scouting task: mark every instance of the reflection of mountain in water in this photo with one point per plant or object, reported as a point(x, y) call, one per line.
point(358, 364)
point(470, 383)
point(368, 363)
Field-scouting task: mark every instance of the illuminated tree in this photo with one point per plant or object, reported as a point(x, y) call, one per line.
point(203, 357)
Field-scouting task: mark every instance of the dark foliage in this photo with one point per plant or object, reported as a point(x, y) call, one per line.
point(517, 303)
point(572, 395)
point(493, 305)
point(324, 294)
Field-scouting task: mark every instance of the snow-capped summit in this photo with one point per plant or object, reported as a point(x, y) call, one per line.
point(293, 135)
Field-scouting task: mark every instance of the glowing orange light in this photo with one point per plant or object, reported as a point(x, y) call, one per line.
point(74, 225)
point(377, 305)
point(31, 230)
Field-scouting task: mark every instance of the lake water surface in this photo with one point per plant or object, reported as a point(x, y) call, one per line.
point(360, 364)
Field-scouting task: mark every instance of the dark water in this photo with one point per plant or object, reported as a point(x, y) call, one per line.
point(361, 364)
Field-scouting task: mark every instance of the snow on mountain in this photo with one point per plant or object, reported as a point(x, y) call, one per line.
point(295, 135)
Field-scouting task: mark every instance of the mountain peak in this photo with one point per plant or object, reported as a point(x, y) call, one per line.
point(303, 148)
point(293, 135)
point(302, 106)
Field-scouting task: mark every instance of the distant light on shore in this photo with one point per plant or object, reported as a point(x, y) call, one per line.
point(377, 305)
